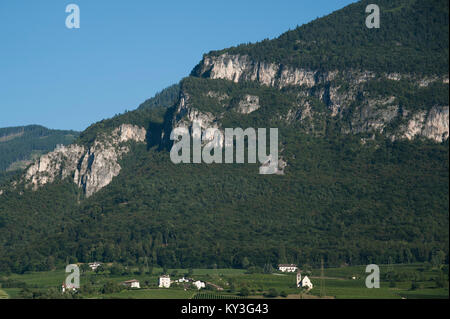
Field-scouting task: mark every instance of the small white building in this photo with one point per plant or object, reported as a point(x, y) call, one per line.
point(306, 283)
point(133, 283)
point(182, 280)
point(287, 267)
point(303, 283)
point(94, 265)
point(164, 281)
point(199, 284)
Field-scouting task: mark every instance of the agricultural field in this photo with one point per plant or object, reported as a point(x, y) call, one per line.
point(10, 293)
point(3, 294)
point(396, 281)
point(413, 281)
point(152, 294)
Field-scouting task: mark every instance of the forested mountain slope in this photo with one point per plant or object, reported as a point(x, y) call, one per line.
point(365, 148)
point(412, 38)
point(21, 144)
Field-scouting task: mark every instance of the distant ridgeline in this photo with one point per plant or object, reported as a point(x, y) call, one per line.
point(363, 128)
point(21, 144)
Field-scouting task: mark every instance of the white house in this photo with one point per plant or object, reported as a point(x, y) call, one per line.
point(133, 283)
point(287, 267)
point(182, 280)
point(164, 281)
point(199, 284)
point(306, 283)
point(94, 265)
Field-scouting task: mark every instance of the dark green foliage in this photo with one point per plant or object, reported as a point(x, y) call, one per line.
point(111, 287)
point(272, 293)
point(409, 96)
point(244, 292)
point(412, 38)
point(339, 199)
point(166, 98)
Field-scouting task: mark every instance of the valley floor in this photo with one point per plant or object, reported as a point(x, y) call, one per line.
point(415, 281)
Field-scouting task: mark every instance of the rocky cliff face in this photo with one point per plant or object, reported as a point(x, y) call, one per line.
point(187, 116)
point(90, 168)
point(433, 124)
point(372, 115)
point(238, 68)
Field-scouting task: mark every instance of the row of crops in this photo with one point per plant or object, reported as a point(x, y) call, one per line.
point(203, 295)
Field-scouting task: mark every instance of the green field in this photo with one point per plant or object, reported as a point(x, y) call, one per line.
point(161, 293)
point(3, 294)
point(12, 293)
point(409, 281)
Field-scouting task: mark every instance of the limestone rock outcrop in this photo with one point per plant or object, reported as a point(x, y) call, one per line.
point(90, 168)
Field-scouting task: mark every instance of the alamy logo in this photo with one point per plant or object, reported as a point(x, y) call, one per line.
point(213, 141)
point(373, 19)
point(73, 19)
point(73, 279)
point(373, 279)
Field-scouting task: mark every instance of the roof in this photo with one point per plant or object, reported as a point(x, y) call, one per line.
point(130, 281)
point(305, 278)
point(287, 265)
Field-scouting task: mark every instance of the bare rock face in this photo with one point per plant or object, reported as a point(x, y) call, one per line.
point(248, 104)
point(91, 169)
point(60, 163)
point(369, 117)
point(239, 68)
point(433, 125)
point(437, 124)
point(374, 115)
point(186, 114)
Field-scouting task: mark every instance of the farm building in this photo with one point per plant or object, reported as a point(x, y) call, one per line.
point(133, 283)
point(164, 281)
point(94, 265)
point(199, 284)
point(287, 267)
point(303, 283)
point(306, 283)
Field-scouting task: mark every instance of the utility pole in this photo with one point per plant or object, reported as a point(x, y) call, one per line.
point(146, 264)
point(322, 281)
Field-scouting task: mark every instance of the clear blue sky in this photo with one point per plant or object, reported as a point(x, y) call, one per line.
point(124, 52)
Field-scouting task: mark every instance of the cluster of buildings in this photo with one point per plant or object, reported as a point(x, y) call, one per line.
point(165, 282)
point(304, 282)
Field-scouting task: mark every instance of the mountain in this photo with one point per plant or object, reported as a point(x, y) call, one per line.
point(363, 171)
point(392, 80)
point(410, 40)
point(20, 145)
